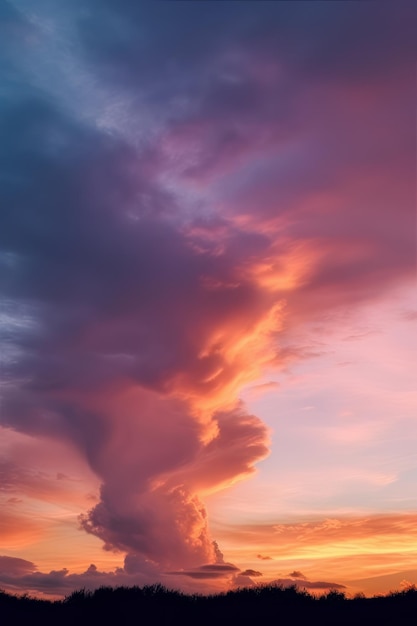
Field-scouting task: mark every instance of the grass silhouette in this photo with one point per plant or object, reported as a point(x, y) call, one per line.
point(157, 606)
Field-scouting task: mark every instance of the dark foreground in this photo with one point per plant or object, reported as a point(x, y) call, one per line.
point(157, 606)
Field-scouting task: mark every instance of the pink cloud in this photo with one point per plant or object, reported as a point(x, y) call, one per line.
point(15, 567)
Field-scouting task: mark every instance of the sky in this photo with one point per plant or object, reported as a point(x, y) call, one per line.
point(208, 296)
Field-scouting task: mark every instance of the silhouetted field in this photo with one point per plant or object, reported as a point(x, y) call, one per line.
point(157, 606)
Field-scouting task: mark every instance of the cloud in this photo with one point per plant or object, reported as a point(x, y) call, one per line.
point(406, 585)
point(215, 570)
point(264, 558)
point(296, 574)
point(175, 204)
point(21, 575)
point(307, 584)
point(106, 375)
point(337, 537)
point(251, 572)
point(15, 567)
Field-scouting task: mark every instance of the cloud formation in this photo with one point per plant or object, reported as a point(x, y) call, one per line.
point(313, 585)
point(18, 575)
point(174, 204)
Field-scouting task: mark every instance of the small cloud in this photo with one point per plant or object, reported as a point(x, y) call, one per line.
point(296, 574)
point(264, 558)
point(211, 570)
point(306, 584)
point(321, 585)
point(257, 390)
point(251, 572)
point(217, 552)
point(220, 567)
point(406, 585)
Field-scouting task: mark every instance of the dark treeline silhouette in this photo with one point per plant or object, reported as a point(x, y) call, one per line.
point(157, 606)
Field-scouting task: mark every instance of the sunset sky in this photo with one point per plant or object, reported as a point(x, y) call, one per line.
point(208, 295)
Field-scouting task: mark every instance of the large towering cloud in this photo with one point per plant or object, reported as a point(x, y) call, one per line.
point(181, 186)
point(123, 344)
